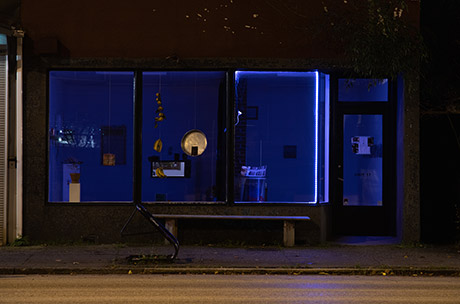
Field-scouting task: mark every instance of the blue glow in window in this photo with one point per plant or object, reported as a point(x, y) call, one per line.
point(190, 100)
point(362, 90)
point(90, 136)
point(277, 151)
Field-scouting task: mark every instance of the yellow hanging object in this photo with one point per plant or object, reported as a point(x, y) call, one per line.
point(159, 111)
point(158, 145)
point(159, 172)
point(158, 99)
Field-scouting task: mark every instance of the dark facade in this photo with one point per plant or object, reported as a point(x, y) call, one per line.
point(142, 37)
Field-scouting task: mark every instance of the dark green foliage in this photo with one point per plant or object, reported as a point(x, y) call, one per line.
point(20, 241)
point(377, 39)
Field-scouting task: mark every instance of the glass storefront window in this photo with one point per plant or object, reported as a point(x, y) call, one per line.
point(280, 136)
point(90, 136)
point(277, 132)
point(363, 90)
point(181, 106)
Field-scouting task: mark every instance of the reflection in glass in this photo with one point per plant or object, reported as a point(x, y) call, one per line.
point(365, 90)
point(362, 160)
point(190, 101)
point(277, 137)
point(90, 130)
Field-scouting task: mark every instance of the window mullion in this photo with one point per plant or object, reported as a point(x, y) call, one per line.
point(137, 138)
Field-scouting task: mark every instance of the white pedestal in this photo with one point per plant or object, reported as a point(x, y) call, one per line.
point(74, 192)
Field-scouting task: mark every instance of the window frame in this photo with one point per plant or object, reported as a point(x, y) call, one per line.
point(223, 137)
point(322, 93)
point(228, 139)
point(47, 140)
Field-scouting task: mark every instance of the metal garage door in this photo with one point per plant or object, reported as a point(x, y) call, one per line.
point(3, 138)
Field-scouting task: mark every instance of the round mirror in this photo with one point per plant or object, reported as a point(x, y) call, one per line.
point(194, 143)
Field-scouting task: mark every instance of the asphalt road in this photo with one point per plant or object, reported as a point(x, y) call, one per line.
point(227, 289)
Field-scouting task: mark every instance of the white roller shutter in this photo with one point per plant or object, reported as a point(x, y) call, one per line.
point(3, 142)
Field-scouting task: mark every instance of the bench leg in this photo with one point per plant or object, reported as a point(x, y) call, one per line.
point(289, 233)
point(171, 225)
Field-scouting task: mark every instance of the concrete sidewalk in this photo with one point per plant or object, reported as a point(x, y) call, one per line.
point(331, 259)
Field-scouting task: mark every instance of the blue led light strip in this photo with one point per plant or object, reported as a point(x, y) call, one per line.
point(316, 133)
point(238, 75)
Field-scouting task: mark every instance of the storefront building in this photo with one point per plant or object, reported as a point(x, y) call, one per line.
point(230, 101)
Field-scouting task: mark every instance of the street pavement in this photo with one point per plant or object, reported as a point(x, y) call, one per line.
point(327, 259)
point(228, 289)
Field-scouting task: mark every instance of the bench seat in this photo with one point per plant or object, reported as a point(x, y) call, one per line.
point(288, 227)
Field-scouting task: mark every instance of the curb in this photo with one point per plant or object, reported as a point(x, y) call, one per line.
point(415, 272)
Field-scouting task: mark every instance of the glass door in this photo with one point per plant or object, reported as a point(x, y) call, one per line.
point(363, 200)
point(362, 160)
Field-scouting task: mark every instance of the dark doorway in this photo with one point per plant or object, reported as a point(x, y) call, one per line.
point(363, 168)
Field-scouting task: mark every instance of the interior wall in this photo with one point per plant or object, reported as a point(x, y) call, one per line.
point(191, 100)
point(286, 117)
point(84, 105)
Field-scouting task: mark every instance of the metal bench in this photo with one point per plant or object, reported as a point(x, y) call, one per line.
point(288, 227)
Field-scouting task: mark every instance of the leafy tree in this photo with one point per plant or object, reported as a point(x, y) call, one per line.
point(377, 38)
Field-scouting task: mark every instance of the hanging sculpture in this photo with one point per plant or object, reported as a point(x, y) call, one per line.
point(158, 145)
point(160, 115)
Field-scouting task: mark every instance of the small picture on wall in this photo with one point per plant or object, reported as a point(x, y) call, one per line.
point(113, 145)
